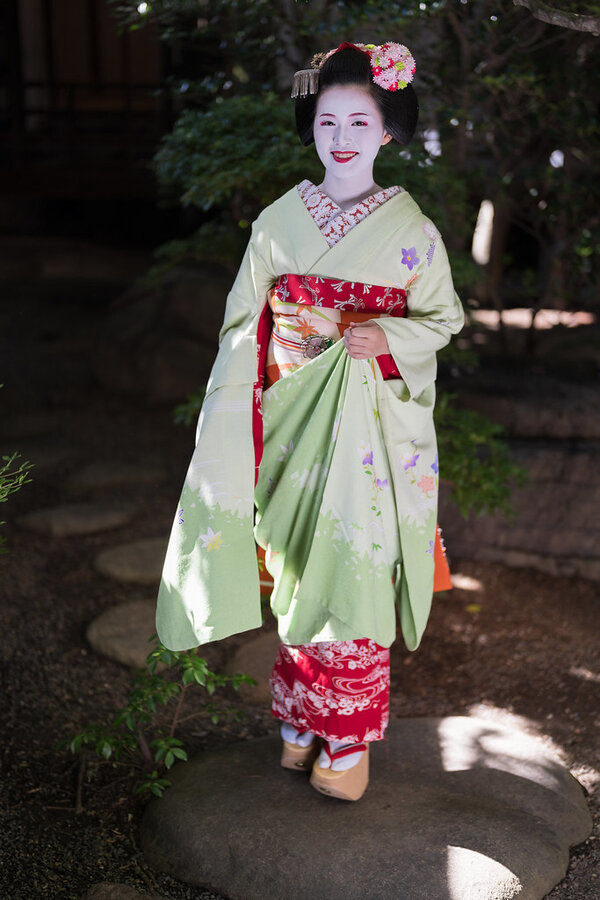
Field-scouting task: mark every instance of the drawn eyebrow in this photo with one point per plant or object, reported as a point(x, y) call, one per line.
point(352, 114)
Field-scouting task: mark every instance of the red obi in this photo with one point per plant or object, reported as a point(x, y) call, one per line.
point(349, 296)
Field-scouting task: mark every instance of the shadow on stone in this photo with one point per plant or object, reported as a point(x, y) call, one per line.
point(457, 809)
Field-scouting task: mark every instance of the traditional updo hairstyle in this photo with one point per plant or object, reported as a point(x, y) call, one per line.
point(350, 66)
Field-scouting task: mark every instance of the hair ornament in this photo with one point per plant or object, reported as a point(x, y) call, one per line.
point(306, 81)
point(392, 65)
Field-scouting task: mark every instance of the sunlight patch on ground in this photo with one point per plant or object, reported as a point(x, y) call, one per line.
point(507, 719)
point(585, 774)
point(469, 871)
point(465, 582)
point(585, 674)
point(521, 318)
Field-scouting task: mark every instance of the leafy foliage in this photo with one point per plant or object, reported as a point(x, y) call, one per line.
point(241, 152)
point(133, 735)
point(476, 459)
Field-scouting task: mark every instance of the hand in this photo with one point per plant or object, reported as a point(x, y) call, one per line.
point(366, 340)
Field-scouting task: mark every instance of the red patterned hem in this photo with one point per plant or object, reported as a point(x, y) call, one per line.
point(338, 690)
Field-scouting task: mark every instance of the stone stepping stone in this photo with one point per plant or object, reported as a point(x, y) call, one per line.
point(109, 474)
point(76, 519)
point(122, 632)
point(139, 562)
point(255, 658)
point(457, 809)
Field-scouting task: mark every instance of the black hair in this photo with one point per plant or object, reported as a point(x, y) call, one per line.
point(399, 109)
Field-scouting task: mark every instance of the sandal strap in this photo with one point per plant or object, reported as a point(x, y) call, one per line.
point(344, 751)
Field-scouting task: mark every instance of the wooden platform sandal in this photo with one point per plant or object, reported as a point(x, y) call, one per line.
point(349, 784)
point(300, 758)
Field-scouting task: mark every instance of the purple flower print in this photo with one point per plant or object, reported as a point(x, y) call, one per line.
point(431, 548)
point(180, 515)
point(382, 483)
point(410, 258)
point(368, 460)
point(412, 462)
point(434, 466)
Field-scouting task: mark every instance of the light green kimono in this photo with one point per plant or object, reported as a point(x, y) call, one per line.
point(346, 501)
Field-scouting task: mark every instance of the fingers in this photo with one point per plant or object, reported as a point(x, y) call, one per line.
point(365, 340)
point(364, 328)
point(360, 348)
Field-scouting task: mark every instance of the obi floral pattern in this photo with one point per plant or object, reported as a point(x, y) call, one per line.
point(311, 312)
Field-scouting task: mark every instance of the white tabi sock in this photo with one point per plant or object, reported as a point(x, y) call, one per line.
point(292, 736)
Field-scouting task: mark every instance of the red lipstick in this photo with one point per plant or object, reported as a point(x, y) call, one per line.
point(343, 156)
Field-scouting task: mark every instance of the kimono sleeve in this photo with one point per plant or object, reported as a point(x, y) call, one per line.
point(210, 583)
point(434, 311)
point(236, 360)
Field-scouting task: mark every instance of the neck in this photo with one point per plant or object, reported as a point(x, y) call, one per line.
point(348, 191)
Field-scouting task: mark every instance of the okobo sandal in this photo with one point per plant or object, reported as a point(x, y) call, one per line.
point(293, 756)
point(349, 784)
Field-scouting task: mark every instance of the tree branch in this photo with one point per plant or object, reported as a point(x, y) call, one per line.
point(561, 17)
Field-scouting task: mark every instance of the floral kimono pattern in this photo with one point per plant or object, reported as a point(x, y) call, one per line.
point(338, 690)
point(346, 496)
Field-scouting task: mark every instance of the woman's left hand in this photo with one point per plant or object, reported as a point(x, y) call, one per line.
point(366, 340)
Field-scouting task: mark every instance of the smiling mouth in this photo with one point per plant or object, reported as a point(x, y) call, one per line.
point(344, 155)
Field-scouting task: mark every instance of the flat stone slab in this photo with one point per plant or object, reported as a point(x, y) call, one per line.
point(107, 474)
point(255, 657)
point(457, 809)
point(122, 632)
point(75, 518)
point(139, 562)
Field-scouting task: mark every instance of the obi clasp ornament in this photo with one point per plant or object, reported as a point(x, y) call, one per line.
point(315, 344)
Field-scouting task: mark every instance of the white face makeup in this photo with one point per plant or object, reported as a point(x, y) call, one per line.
point(348, 132)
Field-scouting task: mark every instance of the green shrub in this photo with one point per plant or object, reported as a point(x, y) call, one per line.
point(133, 735)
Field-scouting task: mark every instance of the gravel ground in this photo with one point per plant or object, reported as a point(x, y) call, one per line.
point(512, 645)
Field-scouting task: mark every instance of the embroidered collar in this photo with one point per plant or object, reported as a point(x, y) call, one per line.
point(333, 221)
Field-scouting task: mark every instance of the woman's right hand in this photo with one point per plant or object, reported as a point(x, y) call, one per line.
point(366, 340)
